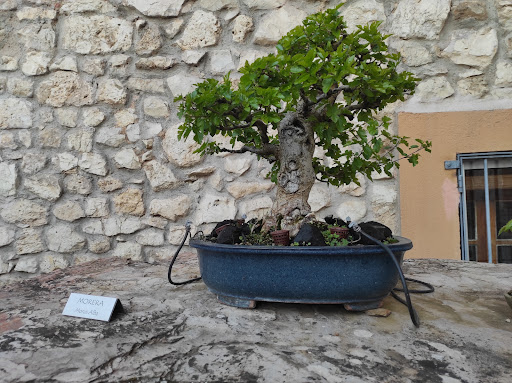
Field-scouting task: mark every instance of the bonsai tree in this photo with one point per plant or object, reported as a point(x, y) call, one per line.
point(323, 88)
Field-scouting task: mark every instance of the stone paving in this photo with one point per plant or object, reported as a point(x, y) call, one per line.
point(182, 334)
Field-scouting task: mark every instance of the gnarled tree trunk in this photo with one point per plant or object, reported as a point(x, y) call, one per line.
point(296, 175)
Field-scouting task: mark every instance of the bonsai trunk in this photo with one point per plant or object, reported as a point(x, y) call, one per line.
point(296, 175)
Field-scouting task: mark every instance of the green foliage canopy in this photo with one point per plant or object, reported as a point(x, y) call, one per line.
point(342, 78)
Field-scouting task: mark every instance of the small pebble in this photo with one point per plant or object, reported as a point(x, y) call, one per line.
point(507, 320)
point(379, 313)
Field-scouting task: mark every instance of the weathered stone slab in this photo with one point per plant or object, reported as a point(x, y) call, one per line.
point(171, 208)
point(362, 12)
point(96, 34)
point(180, 152)
point(65, 88)
point(277, 23)
point(29, 241)
point(26, 212)
point(202, 30)
point(8, 179)
point(473, 48)
point(161, 8)
point(214, 208)
point(129, 202)
point(63, 239)
point(15, 113)
point(46, 186)
point(160, 176)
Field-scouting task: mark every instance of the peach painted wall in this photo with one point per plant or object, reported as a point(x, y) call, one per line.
point(429, 200)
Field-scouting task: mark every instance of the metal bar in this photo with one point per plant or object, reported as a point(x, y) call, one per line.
point(487, 212)
point(464, 215)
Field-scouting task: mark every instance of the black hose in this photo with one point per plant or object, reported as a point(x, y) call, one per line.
point(187, 233)
point(412, 312)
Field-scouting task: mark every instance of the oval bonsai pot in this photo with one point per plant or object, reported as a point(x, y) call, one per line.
point(357, 276)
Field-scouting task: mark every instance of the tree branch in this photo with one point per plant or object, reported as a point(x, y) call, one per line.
point(263, 130)
point(268, 151)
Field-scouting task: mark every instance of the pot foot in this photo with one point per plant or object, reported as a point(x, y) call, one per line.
point(363, 306)
point(237, 302)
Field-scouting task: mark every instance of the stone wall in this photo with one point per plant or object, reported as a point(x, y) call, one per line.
point(89, 161)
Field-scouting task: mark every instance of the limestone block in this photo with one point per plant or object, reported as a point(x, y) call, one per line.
point(320, 197)
point(93, 116)
point(121, 225)
point(470, 9)
point(66, 161)
point(98, 34)
point(82, 6)
point(8, 63)
point(20, 87)
point(67, 63)
point(50, 262)
point(93, 163)
point(173, 27)
point(277, 23)
point(110, 136)
point(201, 172)
point(29, 241)
point(475, 86)
point(96, 207)
point(161, 8)
point(148, 85)
point(263, 4)
point(133, 133)
point(62, 238)
point(241, 189)
point(473, 48)
point(129, 250)
point(33, 163)
point(8, 179)
point(242, 25)
point(503, 74)
point(172, 208)
point(7, 141)
point(192, 57)
point(156, 62)
point(77, 184)
point(99, 244)
point(25, 138)
point(160, 176)
point(3, 84)
point(419, 18)
point(156, 107)
point(353, 208)
point(180, 152)
point(109, 184)
point(50, 138)
point(15, 113)
point(38, 37)
point(26, 212)
point(213, 208)
point(504, 8)
point(8, 5)
point(182, 84)
point(217, 5)
point(30, 13)
point(36, 63)
point(68, 211)
point(7, 236)
point(434, 89)
point(250, 56)
point(67, 117)
point(46, 186)
point(128, 159)
point(255, 208)
point(202, 30)
point(150, 237)
point(353, 188)
point(27, 264)
point(413, 54)
point(81, 139)
point(112, 91)
point(238, 164)
point(362, 12)
point(175, 234)
point(129, 202)
point(150, 130)
point(65, 88)
point(221, 62)
point(155, 221)
point(150, 41)
point(94, 65)
point(93, 226)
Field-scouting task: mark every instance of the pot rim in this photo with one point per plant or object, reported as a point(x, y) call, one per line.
point(403, 244)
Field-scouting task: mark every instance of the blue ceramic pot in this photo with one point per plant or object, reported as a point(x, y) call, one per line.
point(357, 276)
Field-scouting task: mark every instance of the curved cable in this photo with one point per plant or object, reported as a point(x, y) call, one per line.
point(188, 226)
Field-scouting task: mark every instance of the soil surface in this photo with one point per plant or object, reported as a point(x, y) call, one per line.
point(182, 334)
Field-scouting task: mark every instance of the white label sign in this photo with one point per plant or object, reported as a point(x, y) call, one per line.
point(92, 307)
